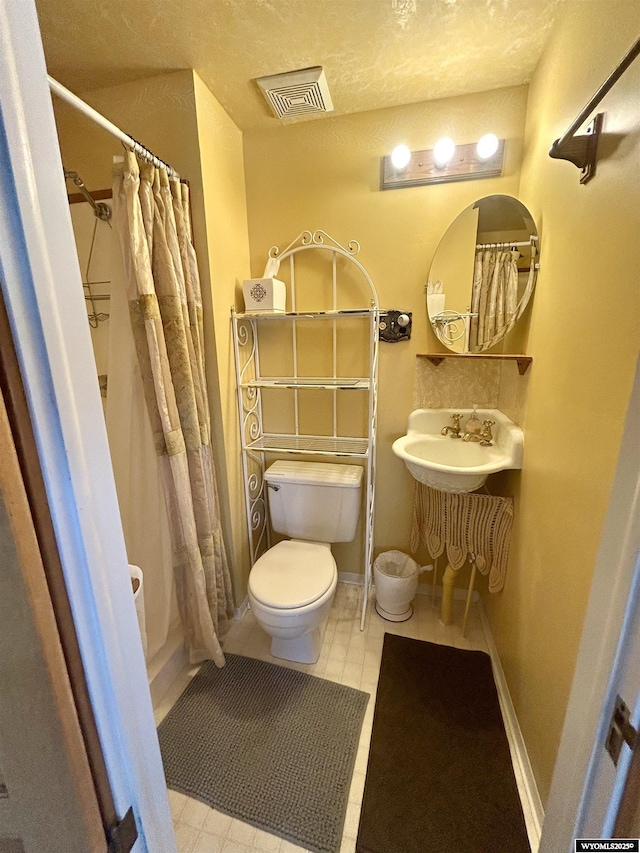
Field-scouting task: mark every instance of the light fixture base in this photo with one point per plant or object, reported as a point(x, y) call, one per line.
point(422, 169)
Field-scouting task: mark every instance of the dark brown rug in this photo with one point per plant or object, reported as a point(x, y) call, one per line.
point(440, 778)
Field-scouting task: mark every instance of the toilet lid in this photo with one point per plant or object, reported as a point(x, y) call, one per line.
point(292, 574)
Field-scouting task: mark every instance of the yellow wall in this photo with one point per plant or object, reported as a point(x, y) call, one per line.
point(227, 239)
point(326, 174)
point(176, 116)
point(584, 340)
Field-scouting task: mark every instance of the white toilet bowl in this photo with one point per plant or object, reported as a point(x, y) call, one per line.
point(291, 588)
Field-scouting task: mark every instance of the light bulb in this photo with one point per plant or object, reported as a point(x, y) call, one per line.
point(487, 146)
point(400, 157)
point(443, 151)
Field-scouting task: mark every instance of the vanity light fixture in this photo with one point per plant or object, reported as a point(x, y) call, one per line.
point(400, 157)
point(445, 162)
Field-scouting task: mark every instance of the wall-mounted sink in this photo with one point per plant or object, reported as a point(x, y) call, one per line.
point(452, 464)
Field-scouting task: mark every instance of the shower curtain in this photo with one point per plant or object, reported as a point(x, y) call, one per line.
point(136, 466)
point(151, 214)
point(494, 296)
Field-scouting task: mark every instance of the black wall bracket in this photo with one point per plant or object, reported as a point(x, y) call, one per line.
point(395, 326)
point(581, 150)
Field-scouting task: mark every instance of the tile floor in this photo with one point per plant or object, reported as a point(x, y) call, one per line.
point(348, 656)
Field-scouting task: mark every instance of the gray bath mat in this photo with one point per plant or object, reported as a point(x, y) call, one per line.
point(271, 746)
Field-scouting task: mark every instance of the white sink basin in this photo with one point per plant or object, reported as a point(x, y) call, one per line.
point(451, 464)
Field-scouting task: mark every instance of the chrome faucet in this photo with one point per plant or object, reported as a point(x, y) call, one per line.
point(484, 436)
point(455, 429)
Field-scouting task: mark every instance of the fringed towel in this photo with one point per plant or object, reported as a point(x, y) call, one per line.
point(464, 524)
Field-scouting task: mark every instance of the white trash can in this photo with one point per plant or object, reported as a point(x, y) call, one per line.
point(137, 584)
point(396, 579)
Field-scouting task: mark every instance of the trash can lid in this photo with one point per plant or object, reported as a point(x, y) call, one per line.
point(396, 564)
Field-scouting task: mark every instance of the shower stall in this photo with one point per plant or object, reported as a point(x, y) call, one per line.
point(131, 441)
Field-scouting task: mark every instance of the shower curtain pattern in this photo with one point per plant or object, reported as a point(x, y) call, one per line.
point(494, 296)
point(151, 213)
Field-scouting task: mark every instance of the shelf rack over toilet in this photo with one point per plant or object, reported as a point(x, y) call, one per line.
point(250, 383)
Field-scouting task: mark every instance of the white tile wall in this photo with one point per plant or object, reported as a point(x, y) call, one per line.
point(349, 657)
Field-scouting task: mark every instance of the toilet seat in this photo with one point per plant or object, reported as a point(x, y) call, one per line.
point(292, 574)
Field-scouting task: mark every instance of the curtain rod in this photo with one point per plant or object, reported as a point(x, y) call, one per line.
point(78, 104)
point(533, 239)
point(608, 84)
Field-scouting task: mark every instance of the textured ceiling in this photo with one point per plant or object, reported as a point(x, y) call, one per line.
point(376, 53)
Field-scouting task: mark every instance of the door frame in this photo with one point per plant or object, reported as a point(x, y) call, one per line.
point(43, 293)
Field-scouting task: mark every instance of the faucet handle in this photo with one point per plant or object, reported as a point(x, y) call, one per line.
point(486, 432)
point(455, 429)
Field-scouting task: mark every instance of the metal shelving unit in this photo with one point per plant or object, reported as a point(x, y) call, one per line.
point(252, 382)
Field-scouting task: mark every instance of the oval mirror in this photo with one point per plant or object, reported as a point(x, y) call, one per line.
point(483, 274)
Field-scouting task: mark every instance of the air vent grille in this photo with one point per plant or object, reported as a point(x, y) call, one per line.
point(297, 92)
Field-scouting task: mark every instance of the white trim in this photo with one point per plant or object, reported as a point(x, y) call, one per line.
point(531, 802)
point(459, 594)
point(239, 612)
point(356, 578)
point(167, 664)
point(43, 293)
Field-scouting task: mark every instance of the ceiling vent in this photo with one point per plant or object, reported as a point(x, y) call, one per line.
point(297, 93)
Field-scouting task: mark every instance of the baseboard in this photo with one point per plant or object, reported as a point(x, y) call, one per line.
point(423, 588)
point(458, 593)
point(238, 612)
point(166, 664)
point(351, 577)
point(534, 814)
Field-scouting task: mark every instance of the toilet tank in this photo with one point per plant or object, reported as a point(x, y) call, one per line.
point(314, 500)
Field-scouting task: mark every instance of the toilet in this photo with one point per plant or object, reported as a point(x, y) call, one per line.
point(291, 586)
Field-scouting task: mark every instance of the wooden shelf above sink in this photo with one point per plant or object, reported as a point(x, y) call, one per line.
point(436, 358)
